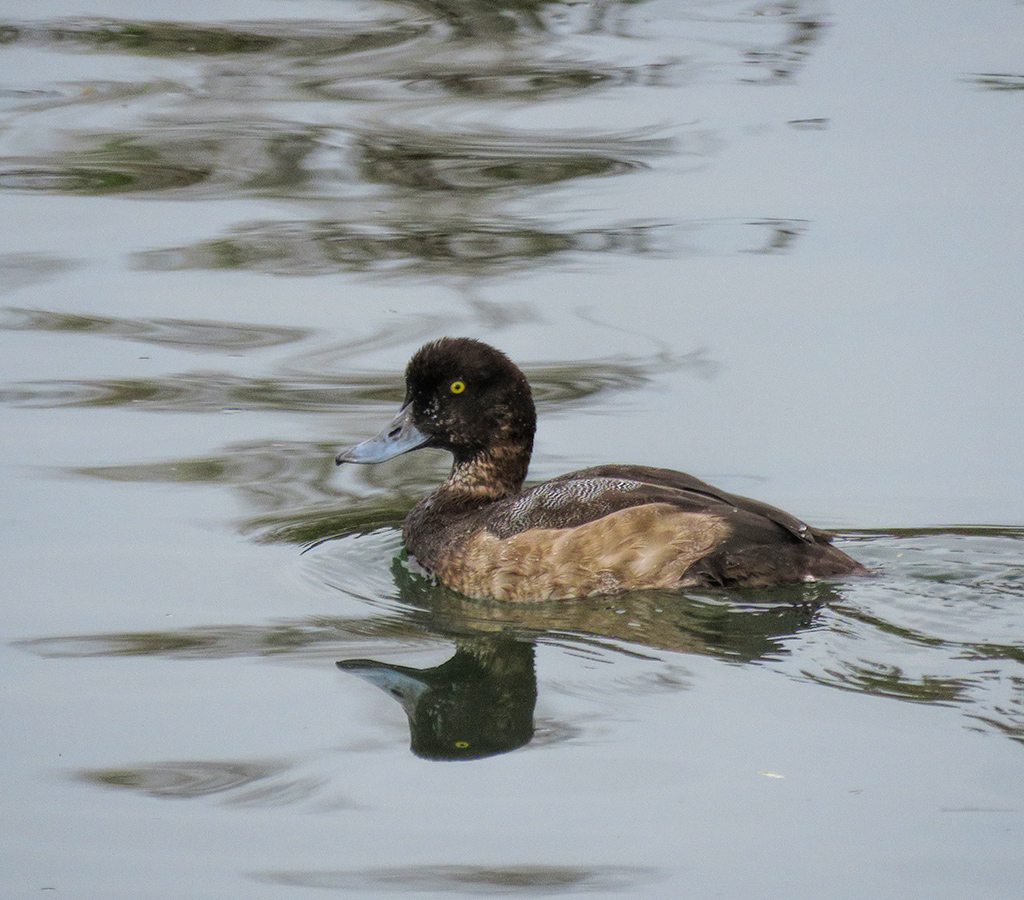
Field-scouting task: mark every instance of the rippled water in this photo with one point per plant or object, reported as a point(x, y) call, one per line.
point(773, 244)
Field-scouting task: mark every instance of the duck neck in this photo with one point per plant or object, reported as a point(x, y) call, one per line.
point(488, 476)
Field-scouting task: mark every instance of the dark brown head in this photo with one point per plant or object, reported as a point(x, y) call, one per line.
point(464, 396)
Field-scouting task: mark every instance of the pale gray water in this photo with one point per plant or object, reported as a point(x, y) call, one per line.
point(775, 245)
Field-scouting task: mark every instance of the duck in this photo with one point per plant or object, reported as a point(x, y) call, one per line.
point(603, 530)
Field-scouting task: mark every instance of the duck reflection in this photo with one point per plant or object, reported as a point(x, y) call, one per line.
point(480, 702)
point(477, 703)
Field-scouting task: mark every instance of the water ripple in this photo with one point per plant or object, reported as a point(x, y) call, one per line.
point(940, 623)
point(197, 158)
point(999, 81)
point(486, 160)
point(32, 174)
point(223, 155)
point(298, 38)
point(554, 385)
point(315, 639)
point(202, 392)
point(18, 270)
point(198, 336)
point(476, 880)
point(459, 246)
point(450, 76)
point(245, 783)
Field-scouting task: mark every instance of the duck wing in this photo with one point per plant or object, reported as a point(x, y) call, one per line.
point(579, 497)
point(670, 478)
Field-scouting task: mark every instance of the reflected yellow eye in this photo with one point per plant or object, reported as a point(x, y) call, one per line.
point(457, 387)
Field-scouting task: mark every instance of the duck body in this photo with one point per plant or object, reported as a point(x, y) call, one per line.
point(601, 530)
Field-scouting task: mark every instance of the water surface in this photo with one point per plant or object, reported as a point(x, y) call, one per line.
point(776, 245)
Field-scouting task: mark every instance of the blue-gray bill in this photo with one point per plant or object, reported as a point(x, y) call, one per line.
point(400, 436)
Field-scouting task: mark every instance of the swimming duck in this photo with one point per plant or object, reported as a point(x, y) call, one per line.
point(601, 530)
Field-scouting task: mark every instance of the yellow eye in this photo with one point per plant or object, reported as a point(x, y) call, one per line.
point(457, 387)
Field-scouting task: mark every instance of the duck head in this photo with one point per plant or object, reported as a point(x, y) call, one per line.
point(461, 395)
